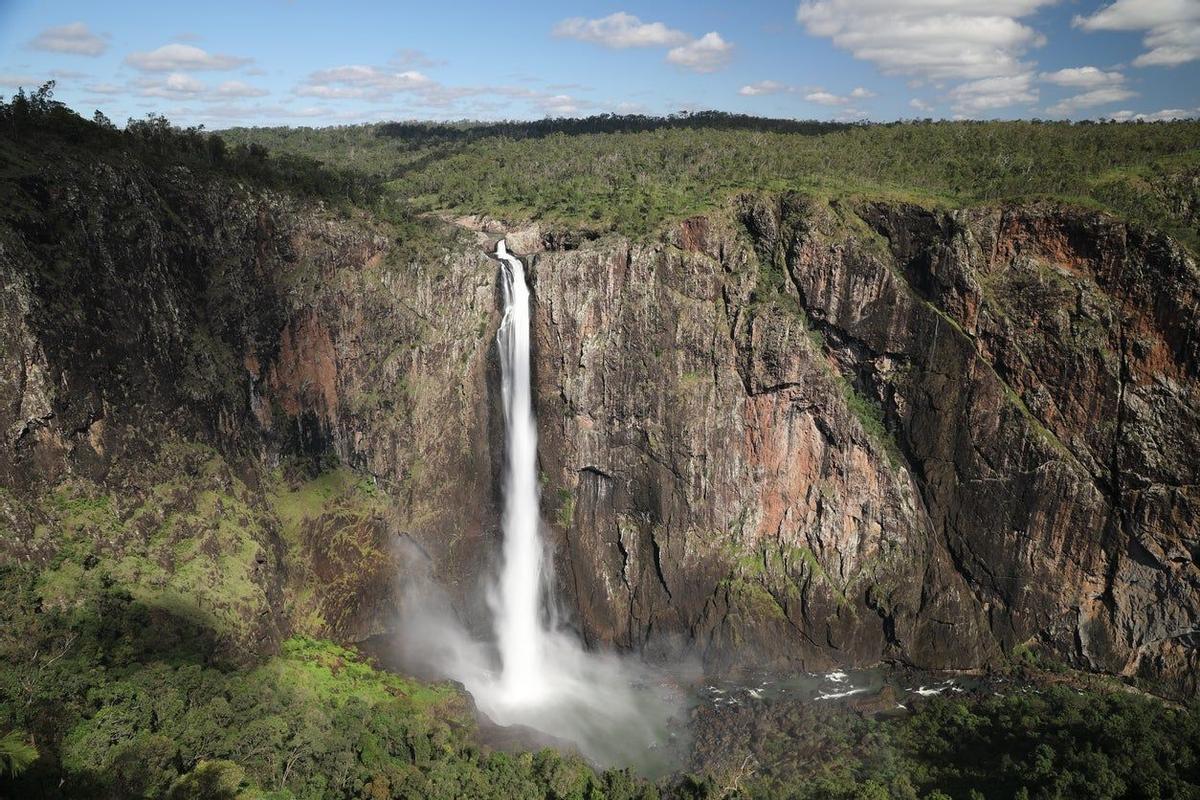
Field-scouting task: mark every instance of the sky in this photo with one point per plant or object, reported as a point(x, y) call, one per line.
point(304, 62)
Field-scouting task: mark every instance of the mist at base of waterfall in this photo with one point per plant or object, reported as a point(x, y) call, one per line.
point(532, 673)
point(615, 710)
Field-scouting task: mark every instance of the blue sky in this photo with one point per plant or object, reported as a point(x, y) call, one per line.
point(315, 63)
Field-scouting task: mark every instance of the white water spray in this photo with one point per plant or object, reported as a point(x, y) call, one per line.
point(517, 604)
point(617, 711)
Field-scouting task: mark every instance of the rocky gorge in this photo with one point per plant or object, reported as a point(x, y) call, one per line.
point(795, 431)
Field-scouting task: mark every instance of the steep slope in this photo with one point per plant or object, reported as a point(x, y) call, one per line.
point(232, 401)
point(794, 431)
point(831, 433)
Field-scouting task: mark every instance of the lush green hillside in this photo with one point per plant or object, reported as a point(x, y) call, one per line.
point(632, 173)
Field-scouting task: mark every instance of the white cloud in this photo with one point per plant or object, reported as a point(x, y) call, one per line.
point(176, 84)
point(380, 84)
point(813, 94)
point(929, 39)
point(1083, 77)
point(1172, 28)
point(1096, 97)
point(75, 38)
point(1165, 114)
point(979, 42)
point(559, 105)
point(1100, 88)
point(707, 54)
point(360, 81)
point(920, 105)
point(764, 87)
point(989, 94)
point(182, 58)
point(620, 30)
point(822, 97)
point(239, 89)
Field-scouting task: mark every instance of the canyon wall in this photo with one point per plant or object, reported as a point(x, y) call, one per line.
point(827, 433)
point(791, 432)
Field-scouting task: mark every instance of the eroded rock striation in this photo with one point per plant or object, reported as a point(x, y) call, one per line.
point(792, 431)
point(830, 433)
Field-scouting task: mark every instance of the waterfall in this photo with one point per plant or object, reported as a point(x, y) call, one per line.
point(617, 711)
point(517, 602)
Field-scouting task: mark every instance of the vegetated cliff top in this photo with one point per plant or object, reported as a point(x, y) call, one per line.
point(632, 173)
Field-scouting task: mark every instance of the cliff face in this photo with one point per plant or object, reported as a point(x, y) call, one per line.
point(232, 402)
point(831, 434)
point(788, 432)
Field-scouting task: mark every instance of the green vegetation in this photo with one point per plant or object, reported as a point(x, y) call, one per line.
point(631, 174)
point(159, 632)
point(126, 701)
point(1057, 742)
point(61, 136)
point(566, 507)
point(160, 145)
point(16, 753)
point(870, 416)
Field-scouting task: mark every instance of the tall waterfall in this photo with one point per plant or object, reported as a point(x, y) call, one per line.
point(517, 603)
point(537, 674)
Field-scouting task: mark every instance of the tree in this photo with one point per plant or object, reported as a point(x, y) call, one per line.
point(16, 753)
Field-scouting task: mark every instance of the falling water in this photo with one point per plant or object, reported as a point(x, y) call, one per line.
point(519, 630)
point(617, 711)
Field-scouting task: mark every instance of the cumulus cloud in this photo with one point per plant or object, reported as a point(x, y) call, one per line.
point(183, 58)
point(381, 84)
point(813, 94)
point(1100, 88)
point(920, 105)
point(1172, 28)
point(930, 39)
point(764, 87)
point(707, 54)
point(1090, 98)
point(559, 105)
point(620, 30)
point(822, 97)
point(989, 94)
point(76, 39)
point(1096, 97)
point(360, 81)
point(1083, 77)
point(177, 84)
point(979, 42)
